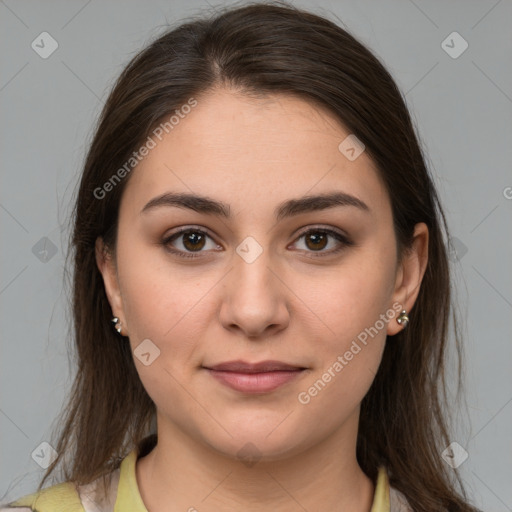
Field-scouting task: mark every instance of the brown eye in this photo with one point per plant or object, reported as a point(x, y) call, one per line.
point(317, 239)
point(192, 240)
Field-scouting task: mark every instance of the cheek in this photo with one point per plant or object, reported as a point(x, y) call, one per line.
point(354, 295)
point(166, 309)
point(336, 391)
point(170, 307)
point(156, 296)
point(354, 306)
point(347, 362)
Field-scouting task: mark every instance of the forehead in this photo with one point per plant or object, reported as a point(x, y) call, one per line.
point(252, 151)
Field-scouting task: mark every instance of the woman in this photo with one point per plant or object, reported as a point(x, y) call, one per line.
point(256, 219)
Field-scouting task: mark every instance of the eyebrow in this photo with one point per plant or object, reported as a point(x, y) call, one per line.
point(290, 208)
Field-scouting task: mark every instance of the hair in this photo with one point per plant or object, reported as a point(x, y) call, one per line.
point(260, 49)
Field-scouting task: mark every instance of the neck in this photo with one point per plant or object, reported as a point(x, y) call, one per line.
point(180, 473)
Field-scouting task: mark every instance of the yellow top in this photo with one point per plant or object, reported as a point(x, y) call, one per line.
point(66, 497)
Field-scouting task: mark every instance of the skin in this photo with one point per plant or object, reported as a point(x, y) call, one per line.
point(286, 305)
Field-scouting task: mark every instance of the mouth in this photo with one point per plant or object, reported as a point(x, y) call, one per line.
point(262, 377)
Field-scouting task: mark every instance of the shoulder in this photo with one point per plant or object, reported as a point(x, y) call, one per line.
point(57, 498)
point(103, 494)
point(69, 497)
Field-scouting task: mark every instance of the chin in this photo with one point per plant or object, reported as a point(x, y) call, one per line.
point(257, 444)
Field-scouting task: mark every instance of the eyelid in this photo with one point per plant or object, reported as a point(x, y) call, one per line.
point(320, 227)
point(191, 227)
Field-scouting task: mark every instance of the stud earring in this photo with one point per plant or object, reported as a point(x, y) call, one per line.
point(117, 323)
point(403, 319)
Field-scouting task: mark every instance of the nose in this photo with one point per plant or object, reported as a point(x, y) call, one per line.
point(255, 299)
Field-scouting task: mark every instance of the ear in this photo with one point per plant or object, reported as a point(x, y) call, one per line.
point(410, 274)
point(106, 265)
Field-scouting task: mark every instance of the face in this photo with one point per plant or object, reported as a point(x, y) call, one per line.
point(316, 288)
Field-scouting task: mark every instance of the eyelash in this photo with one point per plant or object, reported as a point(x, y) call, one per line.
point(344, 241)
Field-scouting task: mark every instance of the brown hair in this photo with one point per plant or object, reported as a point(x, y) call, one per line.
point(266, 48)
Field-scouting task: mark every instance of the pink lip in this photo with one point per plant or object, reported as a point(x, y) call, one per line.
point(259, 377)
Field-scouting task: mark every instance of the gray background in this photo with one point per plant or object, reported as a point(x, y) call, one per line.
point(463, 109)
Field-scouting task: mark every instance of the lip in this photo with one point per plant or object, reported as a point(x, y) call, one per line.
point(261, 377)
point(241, 366)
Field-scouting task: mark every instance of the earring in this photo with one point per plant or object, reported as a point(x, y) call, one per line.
point(117, 323)
point(403, 319)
